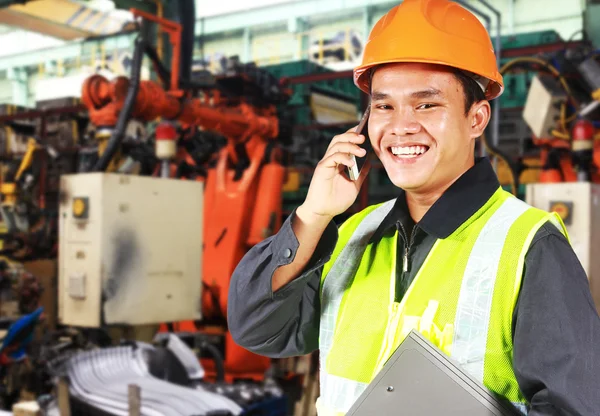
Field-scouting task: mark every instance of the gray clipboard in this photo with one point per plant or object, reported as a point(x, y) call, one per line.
point(420, 380)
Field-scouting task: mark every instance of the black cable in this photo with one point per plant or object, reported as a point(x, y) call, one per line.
point(583, 32)
point(163, 73)
point(503, 156)
point(186, 16)
point(217, 358)
point(125, 114)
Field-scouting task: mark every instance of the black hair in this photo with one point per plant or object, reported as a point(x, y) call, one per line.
point(471, 89)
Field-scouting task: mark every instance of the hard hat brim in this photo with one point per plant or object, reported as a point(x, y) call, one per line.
point(362, 78)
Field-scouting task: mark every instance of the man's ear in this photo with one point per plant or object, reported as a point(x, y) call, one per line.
point(479, 117)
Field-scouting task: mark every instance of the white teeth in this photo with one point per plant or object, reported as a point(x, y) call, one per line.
point(409, 150)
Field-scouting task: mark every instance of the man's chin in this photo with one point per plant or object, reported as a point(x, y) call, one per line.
point(409, 184)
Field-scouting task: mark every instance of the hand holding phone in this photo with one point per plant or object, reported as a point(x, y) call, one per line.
point(330, 192)
point(362, 128)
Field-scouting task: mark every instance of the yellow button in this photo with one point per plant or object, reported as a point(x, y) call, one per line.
point(79, 207)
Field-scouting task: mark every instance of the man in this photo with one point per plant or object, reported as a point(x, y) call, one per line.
point(490, 280)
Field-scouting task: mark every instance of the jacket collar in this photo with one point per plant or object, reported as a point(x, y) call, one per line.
point(460, 201)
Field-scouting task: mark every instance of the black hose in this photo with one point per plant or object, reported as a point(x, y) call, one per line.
point(217, 358)
point(503, 156)
point(125, 114)
point(186, 16)
point(163, 73)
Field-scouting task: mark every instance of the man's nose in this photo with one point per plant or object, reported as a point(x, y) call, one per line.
point(404, 122)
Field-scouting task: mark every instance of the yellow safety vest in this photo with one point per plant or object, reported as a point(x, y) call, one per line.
point(462, 299)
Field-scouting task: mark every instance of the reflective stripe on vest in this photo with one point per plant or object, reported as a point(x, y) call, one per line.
point(343, 392)
point(475, 298)
point(455, 300)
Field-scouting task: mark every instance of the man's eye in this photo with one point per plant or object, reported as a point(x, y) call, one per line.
point(425, 106)
point(384, 107)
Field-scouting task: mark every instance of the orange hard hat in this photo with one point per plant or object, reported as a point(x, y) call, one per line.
point(436, 32)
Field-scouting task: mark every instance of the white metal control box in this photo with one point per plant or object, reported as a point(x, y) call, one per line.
point(542, 107)
point(578, 203)
point(130, 250)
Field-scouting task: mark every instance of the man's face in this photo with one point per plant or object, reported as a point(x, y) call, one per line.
point(418, 125)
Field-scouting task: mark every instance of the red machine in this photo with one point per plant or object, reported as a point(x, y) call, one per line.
point(242, 192)
point(571, 160)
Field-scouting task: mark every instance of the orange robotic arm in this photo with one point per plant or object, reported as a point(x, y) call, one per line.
point(243, 192)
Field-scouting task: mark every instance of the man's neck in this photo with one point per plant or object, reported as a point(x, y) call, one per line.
point(419, 202)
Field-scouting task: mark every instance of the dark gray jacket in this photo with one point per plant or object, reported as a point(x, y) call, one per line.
point(556, 329)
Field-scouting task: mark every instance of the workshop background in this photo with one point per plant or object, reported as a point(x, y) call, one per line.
point(146, 145)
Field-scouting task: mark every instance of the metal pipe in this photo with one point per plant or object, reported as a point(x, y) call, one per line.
point(165, 169)
point(511, 17)
point(498, 47)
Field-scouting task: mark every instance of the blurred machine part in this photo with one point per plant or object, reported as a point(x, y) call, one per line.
point(20, 291)
point(590, 70)
point(36, 147)
point(162, 378)
point(328, 109)
point(578, 204)
point(338, 52)
point(165, 146)
point(582, 148)
point(62, 131)
point(543, 105)
point(130, 250)
point(102, 378)
point(14, 134)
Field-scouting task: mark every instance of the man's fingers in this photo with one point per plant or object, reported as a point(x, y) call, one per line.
point(346, 147)
point(338, 159)
point(346, 137)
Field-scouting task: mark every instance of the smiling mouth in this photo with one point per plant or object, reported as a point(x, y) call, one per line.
point(408, 152)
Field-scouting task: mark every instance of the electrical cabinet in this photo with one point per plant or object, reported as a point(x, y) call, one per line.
point(578, 204)
point(130, 250)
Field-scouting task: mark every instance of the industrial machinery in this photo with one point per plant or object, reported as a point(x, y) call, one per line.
point(185, 175)
point(130, 250)
point(27, 229)
point(562, 111)
point(38, 146)
point(242, 180)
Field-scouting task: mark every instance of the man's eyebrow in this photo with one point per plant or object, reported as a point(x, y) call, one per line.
point(379, 96)
point(428, 93)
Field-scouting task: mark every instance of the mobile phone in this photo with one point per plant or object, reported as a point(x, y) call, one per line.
point(362, 128)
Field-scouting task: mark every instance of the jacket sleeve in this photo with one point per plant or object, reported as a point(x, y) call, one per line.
point(284, 323)
point(556, 331)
